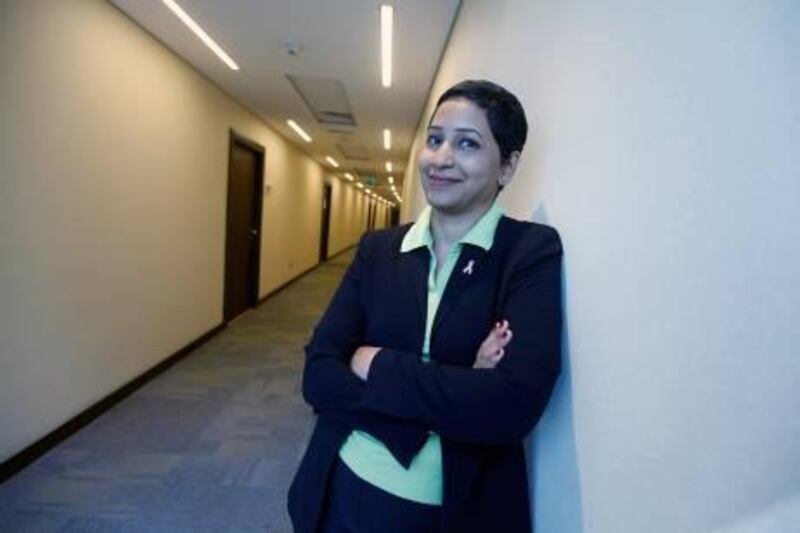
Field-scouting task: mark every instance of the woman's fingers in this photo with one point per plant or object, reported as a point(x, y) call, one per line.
point(501, 336)
point(506, 337)
point(492, 350)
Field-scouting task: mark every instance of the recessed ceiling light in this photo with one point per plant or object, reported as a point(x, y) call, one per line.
point(387, 139)
point(360, 185)
point(201, 34)
point(391, 179)
point(387, 22)
point(298, 130)
point(332, 161)
point(349, 176)
point(388, 166)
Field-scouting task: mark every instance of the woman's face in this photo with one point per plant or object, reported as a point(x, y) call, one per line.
point(460, 162)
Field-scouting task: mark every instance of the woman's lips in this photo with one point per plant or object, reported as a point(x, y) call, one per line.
point(437, 180)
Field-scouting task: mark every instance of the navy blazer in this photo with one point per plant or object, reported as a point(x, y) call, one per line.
point(482, 415)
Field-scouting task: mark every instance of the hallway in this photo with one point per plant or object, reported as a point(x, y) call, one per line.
point(167, 164)
point(210, 445)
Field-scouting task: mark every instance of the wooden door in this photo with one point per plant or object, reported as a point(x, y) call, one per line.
point(243, 233)
point(325, 223)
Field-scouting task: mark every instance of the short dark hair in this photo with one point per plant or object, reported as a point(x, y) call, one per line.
point(504, 113)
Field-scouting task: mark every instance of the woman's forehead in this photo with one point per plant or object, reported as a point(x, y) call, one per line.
point(459, 113)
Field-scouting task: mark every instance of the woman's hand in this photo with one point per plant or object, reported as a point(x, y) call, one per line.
point(492, 349)
point(362, 359)
point(489, 354)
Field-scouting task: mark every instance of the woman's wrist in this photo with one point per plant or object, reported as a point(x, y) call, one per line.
point(362, 360)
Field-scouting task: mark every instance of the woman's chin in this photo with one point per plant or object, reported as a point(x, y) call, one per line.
point(439, 199)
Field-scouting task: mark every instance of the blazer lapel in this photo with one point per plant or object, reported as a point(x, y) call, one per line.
point(415, 265)
point(469, 268)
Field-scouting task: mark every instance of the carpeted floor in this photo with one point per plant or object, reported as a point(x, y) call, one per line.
point(210, 445)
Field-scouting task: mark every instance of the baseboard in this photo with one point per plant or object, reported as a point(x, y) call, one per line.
point(344, 250)
point(285, 284)
point(28, 455)
point(282, 286)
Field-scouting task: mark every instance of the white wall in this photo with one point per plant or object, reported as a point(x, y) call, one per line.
point(665, 150)
point(113, 177)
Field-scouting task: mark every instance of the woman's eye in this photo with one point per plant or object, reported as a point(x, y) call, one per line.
point(468, 143)
point(434, 140)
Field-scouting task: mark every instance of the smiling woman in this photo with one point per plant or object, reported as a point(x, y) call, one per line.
point(440, 348)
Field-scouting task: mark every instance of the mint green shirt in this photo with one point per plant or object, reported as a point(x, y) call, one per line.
point(367, 456)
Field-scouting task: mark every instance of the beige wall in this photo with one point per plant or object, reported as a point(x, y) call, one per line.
point(664, 149)
point(113, 169)
point(348, 214)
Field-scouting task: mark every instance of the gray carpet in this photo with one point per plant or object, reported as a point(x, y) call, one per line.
point(210, 445)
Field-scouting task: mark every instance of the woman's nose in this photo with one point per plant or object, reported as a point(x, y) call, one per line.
point(443, 156)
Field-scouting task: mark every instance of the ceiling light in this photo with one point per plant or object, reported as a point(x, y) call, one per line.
point(388, 166)
point(202, 35)
point(298, 130)
point(387, 16)
point(360, 185)
point(387, 139)
point(391, 179)
point(332, 161)
point(349, 176)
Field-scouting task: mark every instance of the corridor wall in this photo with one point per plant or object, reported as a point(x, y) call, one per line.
point(113, 177)
point(664, 149)
point(348, 218)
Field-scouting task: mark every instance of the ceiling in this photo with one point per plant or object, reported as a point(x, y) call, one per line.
point(338, 65)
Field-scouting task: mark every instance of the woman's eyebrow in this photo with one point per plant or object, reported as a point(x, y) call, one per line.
point(470, 130)
point(459, 130)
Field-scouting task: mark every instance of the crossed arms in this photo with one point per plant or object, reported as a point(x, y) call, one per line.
point(497, 401)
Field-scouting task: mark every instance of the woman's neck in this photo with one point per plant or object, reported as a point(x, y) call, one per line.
point(447, 229)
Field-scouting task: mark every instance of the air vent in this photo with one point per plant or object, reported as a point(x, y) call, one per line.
point(353, 151)
point(326, 99)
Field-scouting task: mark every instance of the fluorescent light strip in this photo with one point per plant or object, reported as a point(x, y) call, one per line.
point(349, 176)
point(388, 166)
point(387, 16)
point(387, 139)
point(391, 179)
point(298, 130)
point(332, 161)
point(202, 35)
point(360, 185)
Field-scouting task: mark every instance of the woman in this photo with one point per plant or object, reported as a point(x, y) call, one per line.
point(423, 393)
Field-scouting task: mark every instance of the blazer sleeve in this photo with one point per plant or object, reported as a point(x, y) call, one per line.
point(496, 406)
point(329, 385)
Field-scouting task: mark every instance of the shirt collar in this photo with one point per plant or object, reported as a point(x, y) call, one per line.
point(481, 234)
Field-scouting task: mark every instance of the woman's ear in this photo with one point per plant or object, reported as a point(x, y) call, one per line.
point(508, 169)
